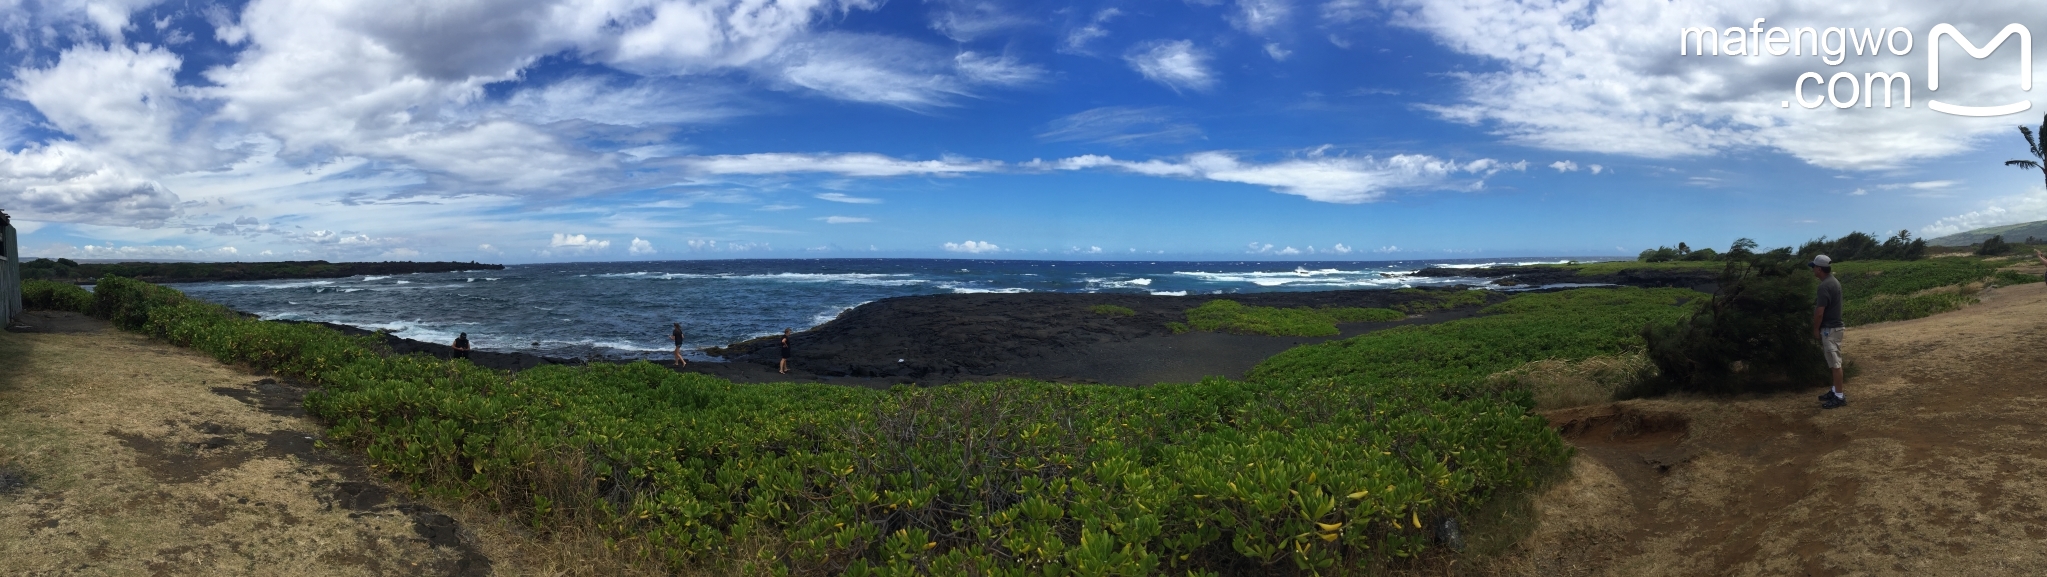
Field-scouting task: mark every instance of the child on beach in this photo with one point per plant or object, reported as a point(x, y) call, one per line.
point(677, 337)
point(785, 351)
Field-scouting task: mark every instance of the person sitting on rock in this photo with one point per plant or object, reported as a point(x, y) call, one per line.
point(461, 346)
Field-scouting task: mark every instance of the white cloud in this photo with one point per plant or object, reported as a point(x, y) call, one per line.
point(1337, 179)
point(1564, 166)
point(1387, 249)
point(577, 242)
point(894, 71)
point(140, 252)
point(1177, 65)
point(1596, 169)
point(1261, 17)
point(1858, 192)
point(1077, 39)
point(1340, 249)
point(966, 20)
point(640, 247)
point(398, 253)
point(486, 247)
point(1288, 251)
point(849, 164)
point(2028, 207)
point(1604, 77)
point(841, 197)
point(971, 247)
point(845, 219)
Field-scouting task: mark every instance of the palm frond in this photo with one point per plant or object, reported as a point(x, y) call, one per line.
point(2033, 144)
point(2025, 164)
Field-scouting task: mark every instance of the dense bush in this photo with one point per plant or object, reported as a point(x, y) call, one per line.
point(1281, 473)
point(1230, 316)
point(1754, 334)
point(55, 296)
point(1994, 246)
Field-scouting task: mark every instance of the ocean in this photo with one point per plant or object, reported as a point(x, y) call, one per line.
point(623, 309)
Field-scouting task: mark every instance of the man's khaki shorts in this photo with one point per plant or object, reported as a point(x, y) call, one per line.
point(1830, 344)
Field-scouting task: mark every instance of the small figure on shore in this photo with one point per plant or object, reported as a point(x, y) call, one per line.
point(1828, 328)
point(785, 351)
point(677, 337)
point(461, 346)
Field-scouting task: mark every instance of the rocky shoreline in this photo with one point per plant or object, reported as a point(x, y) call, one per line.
point(936, 339)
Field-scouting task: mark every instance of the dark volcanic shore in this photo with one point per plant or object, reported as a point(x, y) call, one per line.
point(943, 338)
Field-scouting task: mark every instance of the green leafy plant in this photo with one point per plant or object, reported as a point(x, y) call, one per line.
point(55, 296)
point(1223, 315)
point(1112, 311)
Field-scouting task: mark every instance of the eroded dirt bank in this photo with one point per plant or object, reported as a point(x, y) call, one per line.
point(1937, 467)
point(123, 456)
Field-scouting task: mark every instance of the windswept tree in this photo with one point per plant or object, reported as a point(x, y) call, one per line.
point(2033, 145)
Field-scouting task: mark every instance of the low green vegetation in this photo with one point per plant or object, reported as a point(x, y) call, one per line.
point(55, 296)
point(1112, 311)
point(1456, 357)
point(1223, 315)
point(1288, 472)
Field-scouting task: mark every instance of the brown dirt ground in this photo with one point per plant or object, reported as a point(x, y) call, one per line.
point(1934, 468)
point(123, 456)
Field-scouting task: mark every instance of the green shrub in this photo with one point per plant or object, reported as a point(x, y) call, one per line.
point(1754, 335)
point(1230, 316)
point(2014, 278)
point(1112, 311)
point(1994, 246)
point(1885, 308)
point(55, 296)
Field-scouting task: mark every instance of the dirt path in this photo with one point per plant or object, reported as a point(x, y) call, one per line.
point(123, 456)
point(1935, 468)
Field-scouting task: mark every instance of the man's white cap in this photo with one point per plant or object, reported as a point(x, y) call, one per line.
point(1822, 260)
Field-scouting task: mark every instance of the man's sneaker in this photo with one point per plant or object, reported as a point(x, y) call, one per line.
point(1834, 403)
point(1827, 395)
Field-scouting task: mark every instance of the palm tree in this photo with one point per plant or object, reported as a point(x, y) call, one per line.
point(2035, 146)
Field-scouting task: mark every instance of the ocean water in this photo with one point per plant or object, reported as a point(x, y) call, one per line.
point(623, 309)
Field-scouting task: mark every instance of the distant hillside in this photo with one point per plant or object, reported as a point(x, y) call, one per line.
point(69, 271)
point(2012, 233)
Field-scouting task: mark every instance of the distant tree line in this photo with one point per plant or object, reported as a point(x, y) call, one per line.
point(1853, 246)
point(67, 270)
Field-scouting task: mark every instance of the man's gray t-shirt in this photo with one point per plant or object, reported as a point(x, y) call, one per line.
point(1830, 299)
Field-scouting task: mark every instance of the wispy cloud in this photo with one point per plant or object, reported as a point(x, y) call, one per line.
point(1337, 179)
point(840, 197)
point(1176, 64)
point(1120, 125)
point(845, 219)
point(848, 164)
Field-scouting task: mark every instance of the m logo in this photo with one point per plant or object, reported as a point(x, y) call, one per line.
point(2025, 68)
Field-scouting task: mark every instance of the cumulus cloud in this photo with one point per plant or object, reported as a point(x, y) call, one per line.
point(849, 164)
point(1176, 64)
point(1606, 77)
point(640, 247)
point(1337, 179)
point(972, 247)
point(576, 243)
point(2027, 207)
point(1340, 249)
point(1564, 166)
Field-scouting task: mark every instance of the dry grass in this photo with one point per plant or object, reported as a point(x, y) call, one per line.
point(1560, 384)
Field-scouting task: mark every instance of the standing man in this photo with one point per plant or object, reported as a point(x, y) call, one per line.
point(677, 337)
point(1827, 327)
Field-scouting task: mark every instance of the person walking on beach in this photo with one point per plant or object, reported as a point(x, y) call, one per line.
point(1827, 327)
point(677, 337)
point(461, 347)
point(785, 351)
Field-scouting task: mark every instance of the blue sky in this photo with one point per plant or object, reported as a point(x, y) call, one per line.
point(1278, 129)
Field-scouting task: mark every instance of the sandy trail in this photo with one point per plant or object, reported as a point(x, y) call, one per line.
point(123, 456)
point(1935, 467)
